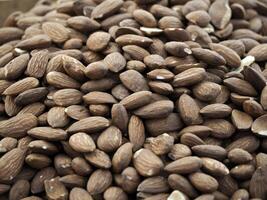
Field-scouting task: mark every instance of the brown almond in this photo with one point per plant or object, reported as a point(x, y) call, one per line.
point(211, 151)
point(191, 140)
point(122, 157)
point(161, 144)
point(216, 110)
point(128, 180)
point(231, 57)
point(82, 142)
point(136, 131)
point(57, 32)
point(214, 167)
point(7, 144)
point(38, 161)
point(259, 126)
point(255, 77)
point(23, 123)
point(208, 56)
point(110, 139)
point(160, 87)
point(81, 166)
point(16, 67)
point(240, 86)
point(98, 41)
point(11, 164)
point(204, 182)
point(144, 18)
point(240, 194)
point(206, 91)
point(239, 156)
point(189, 110)
point(37, 64)
point(99, 110)
point(106, 8)
point(259, 52)
point(83, 24)
point(179, 49)
point(113, 193)
point(62, 163)
point(57, 118)
point(199, 130)
point(96, 70)
point(249, 143)
point(156, 109)
point(120, 117)
point(130, 39)
point(221, 128)
point(99, 159)
point(55, 189)
point(178, 182)
point(89, 125)
point(73, 67)
point(11, 108)
point(34, 108)
point(199, 17)
point(21, 86)
point(184, 165)
point(67, 97)
point(31, 96)
point(159, 126)
point(73, 180)
point(61, 80)
point(241, 120)
point(103, 84)
point(136, 100)
point(99, 98)
point(179, 151)
point(99, 181)
point(152, 185)
point(228, 185)
point(189, 77)
point(243, 171)
point(220, 13)
point(160, 74)
point(79, 194)
point(77, 112)
point(257, 184)
point(133, 80)
point(35, 42)
point(261, 160)
point(147, 163)
point(19, 190)
point(136, 52)
point(10, 33)
point(47, 133)
point(115, 62)
point(43, 147)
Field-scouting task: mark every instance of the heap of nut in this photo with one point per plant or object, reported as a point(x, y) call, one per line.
point(143, 99)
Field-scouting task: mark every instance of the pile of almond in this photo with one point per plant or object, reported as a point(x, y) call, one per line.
point(134, 99)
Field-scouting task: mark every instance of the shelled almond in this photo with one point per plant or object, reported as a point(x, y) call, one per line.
point(134, 99)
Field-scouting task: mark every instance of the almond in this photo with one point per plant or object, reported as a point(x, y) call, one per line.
point(147, 163)
point(184, 165)
point(99, 181)
point(81, 142)
point(89, 125)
